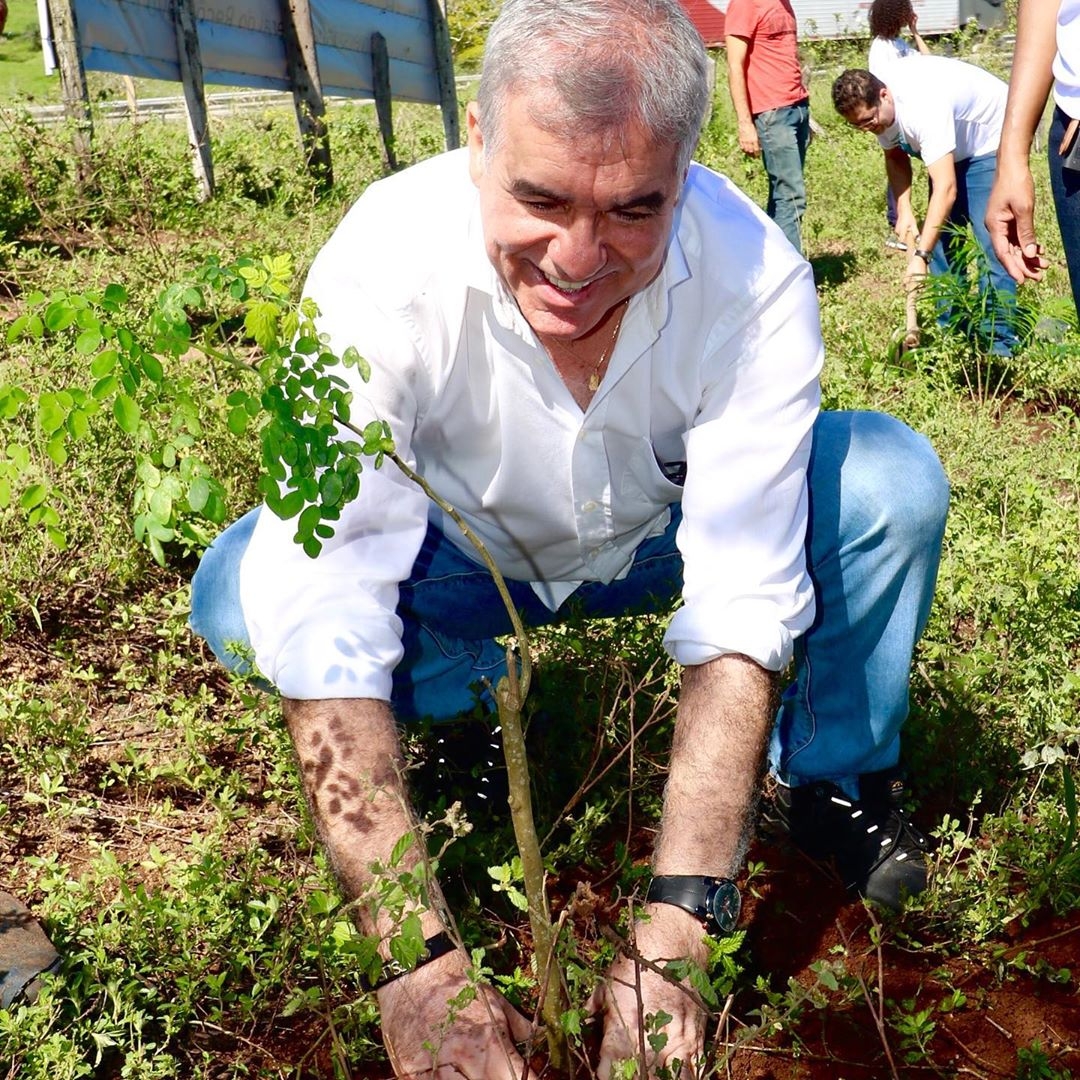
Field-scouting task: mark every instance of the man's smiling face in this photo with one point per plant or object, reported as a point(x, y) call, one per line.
point(572, 225)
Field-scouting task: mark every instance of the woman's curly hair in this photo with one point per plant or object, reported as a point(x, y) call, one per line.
point(889, 17)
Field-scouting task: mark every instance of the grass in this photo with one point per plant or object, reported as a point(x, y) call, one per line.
point(149, 807)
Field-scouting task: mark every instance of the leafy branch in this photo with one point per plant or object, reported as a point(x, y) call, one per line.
point(285, 385)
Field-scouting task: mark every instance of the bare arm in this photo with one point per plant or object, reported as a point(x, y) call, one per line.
point(738, 56)
point(726, 711)
point(943, 178)
point(898, 171)
point(1010, 210)
point(916, 36)
point(351, 766)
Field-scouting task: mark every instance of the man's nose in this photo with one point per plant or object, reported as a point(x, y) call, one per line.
point(578, 249)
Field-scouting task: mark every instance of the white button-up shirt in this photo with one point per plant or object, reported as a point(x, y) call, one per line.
point(716, 366)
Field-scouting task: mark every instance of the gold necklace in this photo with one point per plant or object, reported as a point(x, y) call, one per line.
point(594, 378)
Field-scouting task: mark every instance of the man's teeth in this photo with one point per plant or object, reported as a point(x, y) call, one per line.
point(567, 286)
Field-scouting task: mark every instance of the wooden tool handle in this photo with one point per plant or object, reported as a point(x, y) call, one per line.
point(911, 334)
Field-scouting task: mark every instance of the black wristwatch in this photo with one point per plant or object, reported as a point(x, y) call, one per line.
point(716, 901)
point(924, 255)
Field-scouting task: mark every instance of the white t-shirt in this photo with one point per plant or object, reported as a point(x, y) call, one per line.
point(716, 365)
point(945, 106)
point(1067, 61)
point(885, 52)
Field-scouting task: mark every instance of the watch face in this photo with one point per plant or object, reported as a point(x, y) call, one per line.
point(725, 903)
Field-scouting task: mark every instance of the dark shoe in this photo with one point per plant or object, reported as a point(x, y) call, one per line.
point(877, 851)
point(25, 953)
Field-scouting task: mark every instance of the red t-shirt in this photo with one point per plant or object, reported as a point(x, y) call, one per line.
point(773, 76)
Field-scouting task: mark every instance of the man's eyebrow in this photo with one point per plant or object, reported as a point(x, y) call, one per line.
point(526, 189)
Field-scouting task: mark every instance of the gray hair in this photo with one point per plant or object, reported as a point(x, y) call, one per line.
point(600, 66)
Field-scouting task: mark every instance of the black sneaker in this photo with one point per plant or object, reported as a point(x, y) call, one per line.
point(877, 851)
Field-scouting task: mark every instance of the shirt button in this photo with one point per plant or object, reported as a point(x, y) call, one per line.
point(589, 507)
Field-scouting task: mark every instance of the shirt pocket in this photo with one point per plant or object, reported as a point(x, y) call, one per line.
point(653, 475)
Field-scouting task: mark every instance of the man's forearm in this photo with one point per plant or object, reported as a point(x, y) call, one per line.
point(1029, 84)
point(942, 199)
point(726, 711)
point(352, 770)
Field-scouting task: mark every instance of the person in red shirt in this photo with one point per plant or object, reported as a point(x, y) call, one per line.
point(771, 102)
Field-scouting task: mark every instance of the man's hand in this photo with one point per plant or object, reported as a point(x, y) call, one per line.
point(426, 1037)
point(748, 138)
point(633, 994)
point(915, 274)
point(1010, 213)
point(907, 230)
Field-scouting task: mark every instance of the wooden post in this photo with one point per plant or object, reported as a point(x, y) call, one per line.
point(444, 72)
point(65, 33)
point(132, 96)
point(191, 75)
point(303, 65)
point(380, 79)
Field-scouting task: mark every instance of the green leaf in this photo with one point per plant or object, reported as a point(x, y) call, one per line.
point(59, 315)
point(116, 294)
point(56, 448)
point(352, 358)
point(127, 413)
point(78, 424)
point(157, 531)
point(104, 363)
point(51, 413)
point(198, 493)
point(148, 473)
point(87, 342)
point(290, 505)
point(408, 945)
point(104, 388)
point(237, 421)
point(33, 496)
point(152, 366)
point(12, 398)
point(261, 323)
point(5, 493)
point(330, 488)
point(17, 327)
point(57, 536)
point(401, 847)
point(161, 505)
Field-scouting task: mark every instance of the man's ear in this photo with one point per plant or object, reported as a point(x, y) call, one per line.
point(475, 141)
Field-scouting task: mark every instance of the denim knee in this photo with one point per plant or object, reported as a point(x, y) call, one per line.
point(217, 615)
point(900, 481)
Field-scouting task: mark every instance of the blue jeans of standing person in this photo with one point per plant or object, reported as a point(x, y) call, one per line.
point(878, 500)
point(1065, 184)
point(974, 179)
point(784, 135)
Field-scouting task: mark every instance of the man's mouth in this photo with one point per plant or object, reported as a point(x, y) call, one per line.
point(567, 286)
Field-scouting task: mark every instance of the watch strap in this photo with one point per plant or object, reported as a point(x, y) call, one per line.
point(434, 947)
point(691, 893)
point(924, 255)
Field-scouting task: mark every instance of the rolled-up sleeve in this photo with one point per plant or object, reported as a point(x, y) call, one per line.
point(327, 627)
point(746, 585)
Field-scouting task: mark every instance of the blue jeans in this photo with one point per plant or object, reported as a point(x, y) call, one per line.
point(1065, 184)
point(784, 135)
point(974, 179)
point(878, 500)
